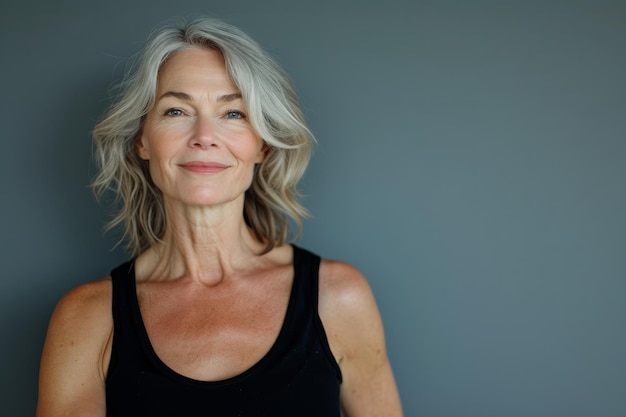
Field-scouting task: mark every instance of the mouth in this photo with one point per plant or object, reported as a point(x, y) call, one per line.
point(204, 167)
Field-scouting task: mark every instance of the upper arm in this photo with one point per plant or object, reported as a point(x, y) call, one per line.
point(355, 332)
point(75, 354)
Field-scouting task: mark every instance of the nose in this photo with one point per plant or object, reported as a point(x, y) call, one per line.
point(204, 134)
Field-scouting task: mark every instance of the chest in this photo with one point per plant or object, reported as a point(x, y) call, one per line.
point(214, 333)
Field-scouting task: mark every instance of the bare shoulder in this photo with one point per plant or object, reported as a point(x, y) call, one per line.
point(337, 272)
point(83, 304)
point(356, 337)
point(344, 286)
point(347, 306)
point(82, 320)
point(76, 351)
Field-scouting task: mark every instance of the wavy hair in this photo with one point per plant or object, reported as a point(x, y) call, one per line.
point(274, 114)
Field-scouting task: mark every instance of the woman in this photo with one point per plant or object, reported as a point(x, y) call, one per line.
point(215, 314)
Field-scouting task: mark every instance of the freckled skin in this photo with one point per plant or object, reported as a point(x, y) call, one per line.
point(208, 266)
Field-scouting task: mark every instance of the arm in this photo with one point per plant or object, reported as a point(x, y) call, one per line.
point(76, 353)
point(356, 337)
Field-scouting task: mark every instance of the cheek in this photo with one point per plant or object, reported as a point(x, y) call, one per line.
point(157, 153)
point(159, 162)
point(157, 142)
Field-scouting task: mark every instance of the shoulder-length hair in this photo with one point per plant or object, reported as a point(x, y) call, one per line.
point(274, 114)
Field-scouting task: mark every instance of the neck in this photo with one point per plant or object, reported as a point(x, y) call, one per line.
point(204, 244)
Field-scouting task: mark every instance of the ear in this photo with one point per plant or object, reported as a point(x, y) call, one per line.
point(262, 152)
point(141, 147)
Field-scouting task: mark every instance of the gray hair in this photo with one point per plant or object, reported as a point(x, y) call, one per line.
point(273, 112)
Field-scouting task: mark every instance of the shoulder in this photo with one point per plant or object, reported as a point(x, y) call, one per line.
point(355, 333)
point(343, 284)
point(82, 320)
point(84, 302)
point(347, 308)
point(76, 351)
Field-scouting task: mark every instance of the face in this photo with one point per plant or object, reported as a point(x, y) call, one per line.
point(197, 138)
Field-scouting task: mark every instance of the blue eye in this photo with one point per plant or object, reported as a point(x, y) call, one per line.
point(235, 114)
point(174, 112)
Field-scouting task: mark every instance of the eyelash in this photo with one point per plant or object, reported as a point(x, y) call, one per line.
point(174, 112)
point(239, 114)
point(169, 112)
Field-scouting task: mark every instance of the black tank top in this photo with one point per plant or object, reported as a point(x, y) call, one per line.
point(298, 377)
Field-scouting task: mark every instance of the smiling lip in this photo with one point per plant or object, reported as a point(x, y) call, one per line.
point(204, 167)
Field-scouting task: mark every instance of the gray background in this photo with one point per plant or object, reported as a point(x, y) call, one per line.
point(471, 162)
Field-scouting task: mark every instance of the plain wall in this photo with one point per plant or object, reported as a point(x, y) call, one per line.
point(471, 162)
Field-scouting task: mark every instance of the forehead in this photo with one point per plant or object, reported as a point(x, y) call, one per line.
point(194, 65)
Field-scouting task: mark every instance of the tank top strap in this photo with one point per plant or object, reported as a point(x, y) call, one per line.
point(122, 281)
point(307, 266)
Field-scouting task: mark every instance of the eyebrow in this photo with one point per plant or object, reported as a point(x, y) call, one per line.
point(225, 98)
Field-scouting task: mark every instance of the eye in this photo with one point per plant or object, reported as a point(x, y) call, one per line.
point(174, 112)
point(235, 114)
